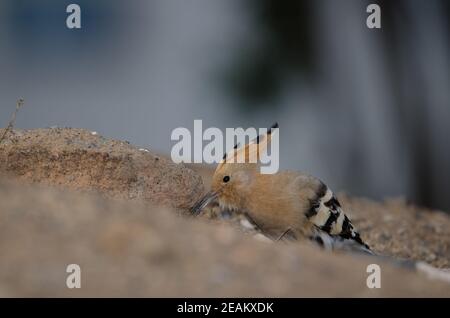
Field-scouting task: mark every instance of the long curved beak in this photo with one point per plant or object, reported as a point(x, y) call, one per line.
point(203, 202)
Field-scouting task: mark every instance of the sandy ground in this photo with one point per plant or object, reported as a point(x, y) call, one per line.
point(82, 160)
point(70, 196)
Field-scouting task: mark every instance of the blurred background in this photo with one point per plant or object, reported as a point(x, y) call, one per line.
point(366, 110)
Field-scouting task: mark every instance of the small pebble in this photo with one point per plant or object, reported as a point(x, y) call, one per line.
point(401, 231)
point(246, 224)
point(225, 214)
point(262, 238)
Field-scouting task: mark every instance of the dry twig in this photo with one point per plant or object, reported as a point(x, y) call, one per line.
point(10, 126)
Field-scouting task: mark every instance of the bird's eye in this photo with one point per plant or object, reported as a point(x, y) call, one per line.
point(226, 179)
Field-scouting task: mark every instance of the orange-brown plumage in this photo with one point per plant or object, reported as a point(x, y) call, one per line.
point(286, 204)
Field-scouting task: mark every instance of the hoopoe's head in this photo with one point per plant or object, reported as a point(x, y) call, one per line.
point(233, 178)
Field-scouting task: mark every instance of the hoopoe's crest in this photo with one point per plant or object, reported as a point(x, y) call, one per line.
point(248, 153)
point(284, 205)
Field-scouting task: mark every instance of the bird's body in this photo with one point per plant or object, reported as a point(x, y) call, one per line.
point(292, 205)
point(284, 205)
point(274, 203)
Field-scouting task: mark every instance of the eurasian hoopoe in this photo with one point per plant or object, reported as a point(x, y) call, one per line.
point(284, 205)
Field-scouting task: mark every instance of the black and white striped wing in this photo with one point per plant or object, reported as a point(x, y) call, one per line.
point(332, 225)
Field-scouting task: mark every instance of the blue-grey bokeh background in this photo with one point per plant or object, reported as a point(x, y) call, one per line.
point(368, 111)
